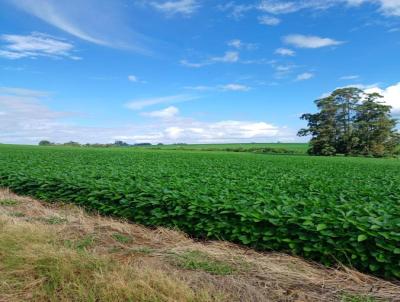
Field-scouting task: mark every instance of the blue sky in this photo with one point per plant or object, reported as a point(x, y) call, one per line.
point(186, 70)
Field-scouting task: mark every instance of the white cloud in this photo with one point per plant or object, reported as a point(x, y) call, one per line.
point(50, 12)
point(305, 76)
point(193, 65)
point(142, 103)
point(278, 7)
point(238, 44)
point(302, 41)
point(229, 57)
point(166, 113)
point(23, 92)
point(235, 43)
point(183, 7)
point(391, 96)
point(35, 45)
point(285, 52)
point(236, 11)
point(225, 87)
point(349, 77)
point(269, 20)
point(200, 88)
point(133, 78)
point(390, 7)
point(235, 87)
point(100, 22)
point(283, 71)
point(25, 119)
point(387, 7)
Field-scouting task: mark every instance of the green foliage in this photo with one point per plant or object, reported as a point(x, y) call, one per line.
point(351, 122)
point(267, 148)
point(45, 143)
point(324, 209)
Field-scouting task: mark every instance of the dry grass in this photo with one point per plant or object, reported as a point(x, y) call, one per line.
point(53, 252)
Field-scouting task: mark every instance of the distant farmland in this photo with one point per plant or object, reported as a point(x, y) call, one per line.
point(294, 148)
point(326, 209)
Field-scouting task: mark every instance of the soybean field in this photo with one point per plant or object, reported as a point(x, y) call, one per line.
point(329, 210)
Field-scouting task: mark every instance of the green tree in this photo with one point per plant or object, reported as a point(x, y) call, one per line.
point(45, 143)
point(346, 102)
point(350, 121)
point(375, 128)
point(322, 127)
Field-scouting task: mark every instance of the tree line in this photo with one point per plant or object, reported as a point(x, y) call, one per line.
point(76, 144)
point(352, 122)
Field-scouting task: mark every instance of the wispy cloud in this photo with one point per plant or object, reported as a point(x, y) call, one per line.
point(224, 87)
point(239, 44)
point(269, 20)
point(35, 45)
point(228, 57)
point(235, 87)
point(142, 103)
point(234, 10)
point(283, 71)
point(16, 91)
point(182, 7)
point(349, 77)
point(285, 52)
point(302, 41)
point(81, 19)
point(134, 79)
point(166, 113)
point(305, 76)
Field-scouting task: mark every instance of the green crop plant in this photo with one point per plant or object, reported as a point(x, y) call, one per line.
point(329, 210)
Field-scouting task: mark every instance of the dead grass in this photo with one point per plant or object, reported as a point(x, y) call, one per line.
point(53, 252)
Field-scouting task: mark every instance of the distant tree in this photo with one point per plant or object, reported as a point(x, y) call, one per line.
point(72, 144)
point(121, 144)
point(45, 143)
point(350, 121)
point(142, 144)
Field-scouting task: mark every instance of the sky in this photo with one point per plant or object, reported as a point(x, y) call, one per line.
point(186, 71)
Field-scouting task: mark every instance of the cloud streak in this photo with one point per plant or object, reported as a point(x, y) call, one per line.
point(86, 20)
point(143, 103)
point(35, 45)
point(182, 7)
point(302, 41)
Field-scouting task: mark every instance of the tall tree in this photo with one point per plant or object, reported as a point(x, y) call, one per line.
point(374, 127)
point(322, 127)
point(350, 121)
point(346, 100)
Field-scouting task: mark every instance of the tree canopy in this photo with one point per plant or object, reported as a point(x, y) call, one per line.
point(351, 122)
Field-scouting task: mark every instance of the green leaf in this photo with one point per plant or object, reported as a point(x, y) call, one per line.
point(361, 238)
point(321, 227)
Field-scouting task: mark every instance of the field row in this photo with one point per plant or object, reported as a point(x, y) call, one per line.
point(325, 209)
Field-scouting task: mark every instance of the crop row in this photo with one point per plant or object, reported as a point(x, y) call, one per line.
point(326, 209)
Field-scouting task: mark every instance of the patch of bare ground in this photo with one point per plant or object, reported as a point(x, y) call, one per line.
point(58, 252)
